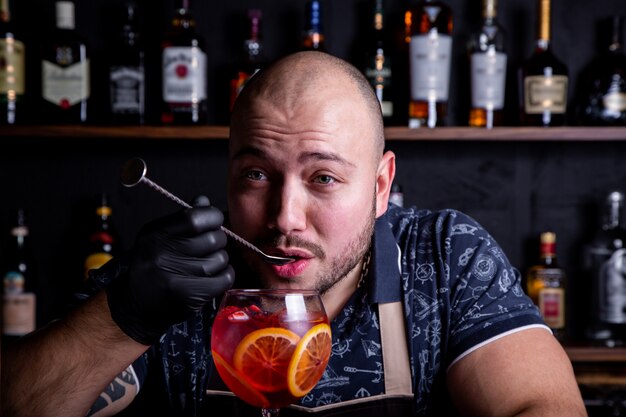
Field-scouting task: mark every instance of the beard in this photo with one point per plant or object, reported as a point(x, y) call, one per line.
point(334, 267)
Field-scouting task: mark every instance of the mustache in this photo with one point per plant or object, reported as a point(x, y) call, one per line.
point(291, 241)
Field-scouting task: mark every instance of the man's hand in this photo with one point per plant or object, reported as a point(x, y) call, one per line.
point(177, 265)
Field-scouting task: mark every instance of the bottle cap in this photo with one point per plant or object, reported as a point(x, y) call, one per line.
point(548, 237)
point(615, 197)
point(65, 14)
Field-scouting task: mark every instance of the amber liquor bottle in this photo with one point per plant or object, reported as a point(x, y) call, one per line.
point(544, 80)
point(253, 56)
point(102, 241)
point(377, 65)
point(12, 82)
point(604, 86)
point(430, 52)
point(313, 37)
point(19, 300)
point(65, 82)
point(545, 285)
point(127, 72)
point(184, 71)
point(488, 70)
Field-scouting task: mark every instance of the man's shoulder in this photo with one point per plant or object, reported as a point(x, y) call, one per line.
point(445, 221)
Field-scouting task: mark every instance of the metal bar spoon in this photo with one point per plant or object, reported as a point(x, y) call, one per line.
point(134, 172)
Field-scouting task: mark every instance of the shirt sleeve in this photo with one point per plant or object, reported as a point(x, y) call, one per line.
point(460, 289)
point(486, 298)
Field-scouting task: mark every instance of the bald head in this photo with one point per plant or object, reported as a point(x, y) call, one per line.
point(298, 77)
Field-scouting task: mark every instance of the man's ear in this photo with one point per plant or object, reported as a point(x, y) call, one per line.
point(384, 178)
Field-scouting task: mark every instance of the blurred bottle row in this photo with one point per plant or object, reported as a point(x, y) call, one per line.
point(543, 83)
point(546, 281)
point(20, 283)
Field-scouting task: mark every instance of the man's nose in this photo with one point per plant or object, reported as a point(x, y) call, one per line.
point(289, 202)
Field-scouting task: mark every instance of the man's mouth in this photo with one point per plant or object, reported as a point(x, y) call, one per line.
point(295, 268)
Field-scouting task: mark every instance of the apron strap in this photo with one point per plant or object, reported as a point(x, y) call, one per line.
point(395, 349)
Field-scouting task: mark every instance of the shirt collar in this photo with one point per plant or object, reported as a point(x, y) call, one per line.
point(383, 280)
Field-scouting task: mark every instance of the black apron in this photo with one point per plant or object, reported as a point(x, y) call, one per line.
point(396, 401)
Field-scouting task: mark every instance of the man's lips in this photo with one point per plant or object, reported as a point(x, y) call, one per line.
point(291, 270)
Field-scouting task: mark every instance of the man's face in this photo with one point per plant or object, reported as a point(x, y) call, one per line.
point(302, 182)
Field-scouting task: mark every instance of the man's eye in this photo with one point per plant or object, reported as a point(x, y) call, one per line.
point(255, 175)
point(324, 179)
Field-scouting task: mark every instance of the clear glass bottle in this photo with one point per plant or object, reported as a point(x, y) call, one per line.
point(127, 73)
point(545, 285)
point(19, 300)
point(396, 196)
point(377, 65)
point(430, 53)
point(604, 85)
point(488, 70)
point(605, 261)
point(253, 55)
point(12, 81)
point(544, 80)
point(313, 37)
point(184, 71)
point(65, 84)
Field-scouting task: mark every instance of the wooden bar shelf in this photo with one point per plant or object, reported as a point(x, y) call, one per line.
point(393, 133)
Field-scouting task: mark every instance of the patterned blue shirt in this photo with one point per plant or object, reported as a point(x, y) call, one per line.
point(458, 290)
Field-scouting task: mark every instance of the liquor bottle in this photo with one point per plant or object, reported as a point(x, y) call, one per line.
point(396, 196)
point(102, 242)
point(605, 262)
point(65, 83)
point(253, 56)
point(544, 79)
point(184, 71)
point(127, 73)
point(545, 285)
point(604, 97)
point(430, 53)
point(313, 38)
point(12, 81)
point(377, 66)
point(488, 70)
point(19, 300)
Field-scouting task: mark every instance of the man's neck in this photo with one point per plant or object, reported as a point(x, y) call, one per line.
point(337, 297)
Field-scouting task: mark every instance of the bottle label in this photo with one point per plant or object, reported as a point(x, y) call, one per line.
point(545, 93)
point(14, 282)
point(611, 281)
point(95, 261)
point(18, 314)
point(552, 306)
point(615, 101)
point(378, 74)
point(184, 75)
point(429, 64)
point(127, 89)
point(65, 86)
point(488, 80)
point(11, 66)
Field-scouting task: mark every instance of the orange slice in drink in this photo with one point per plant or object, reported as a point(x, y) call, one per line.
point(238, 384)
point(309, 360)
point(264, 355)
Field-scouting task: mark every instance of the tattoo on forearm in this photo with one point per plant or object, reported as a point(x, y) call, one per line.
point(115, 391)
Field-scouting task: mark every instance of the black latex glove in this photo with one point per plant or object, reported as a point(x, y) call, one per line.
point(177, 264)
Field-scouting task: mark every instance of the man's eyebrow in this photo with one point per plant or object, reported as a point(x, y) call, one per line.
point(302, 158)
point(324, 156)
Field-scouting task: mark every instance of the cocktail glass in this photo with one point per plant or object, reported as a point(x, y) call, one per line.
point(271, 347)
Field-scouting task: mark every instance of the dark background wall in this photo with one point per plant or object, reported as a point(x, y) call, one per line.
point(515, 189)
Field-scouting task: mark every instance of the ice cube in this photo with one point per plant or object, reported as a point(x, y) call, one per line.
point(238, 316)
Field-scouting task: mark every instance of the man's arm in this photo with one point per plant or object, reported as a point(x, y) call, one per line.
point(76, 359)
point(526, 373)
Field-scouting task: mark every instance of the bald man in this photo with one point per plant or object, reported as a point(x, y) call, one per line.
point(428, 316)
